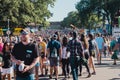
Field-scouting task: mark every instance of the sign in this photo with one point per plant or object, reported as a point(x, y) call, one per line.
point(1, 31)
point(17, 31)
point(116, 32)
point(8, 32)
point(4, 29)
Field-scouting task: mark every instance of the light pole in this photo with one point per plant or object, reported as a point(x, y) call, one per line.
point(8, 30)
point(8, 24)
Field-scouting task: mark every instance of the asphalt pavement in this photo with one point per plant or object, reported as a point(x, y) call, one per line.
point(104, 71)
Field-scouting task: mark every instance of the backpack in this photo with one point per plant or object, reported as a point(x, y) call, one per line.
point(53, 50)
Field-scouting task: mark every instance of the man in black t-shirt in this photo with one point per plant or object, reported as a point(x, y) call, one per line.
point(25, 52)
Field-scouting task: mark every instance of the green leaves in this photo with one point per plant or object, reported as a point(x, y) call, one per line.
point(25, 11)
point(103, 8)
point(72, 18)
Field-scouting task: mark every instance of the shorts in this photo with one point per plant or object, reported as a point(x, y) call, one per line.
point(92, 53)
point(54, 62)
point(37, 64)
point(7, 70)
point(29, 77)
point(100, 50)
point(47, 62)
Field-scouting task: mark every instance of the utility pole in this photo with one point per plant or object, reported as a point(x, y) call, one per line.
point(8, 30)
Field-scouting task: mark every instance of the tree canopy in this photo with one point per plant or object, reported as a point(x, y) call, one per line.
point(91, 13)
point(105, 9)
point(72, 18)
point(22, 12)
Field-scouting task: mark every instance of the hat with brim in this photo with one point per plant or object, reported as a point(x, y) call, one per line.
point(54, 36)
point(24, 32)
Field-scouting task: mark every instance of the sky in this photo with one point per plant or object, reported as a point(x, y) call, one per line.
point(61, 9)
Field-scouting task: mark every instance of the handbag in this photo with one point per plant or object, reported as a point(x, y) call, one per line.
point(83, 61)
point(93, 53)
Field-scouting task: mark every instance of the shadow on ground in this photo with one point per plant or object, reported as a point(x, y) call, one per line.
point(47, 78)
point(115, 79)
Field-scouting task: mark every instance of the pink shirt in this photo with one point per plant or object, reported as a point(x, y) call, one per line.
point(1, 47)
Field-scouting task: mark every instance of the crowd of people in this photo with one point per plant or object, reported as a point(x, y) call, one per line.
point(29, 55)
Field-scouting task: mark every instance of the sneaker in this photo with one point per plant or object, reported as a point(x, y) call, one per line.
point(89, 75)
point(94, 73)
point(50, 76)
point(80, 75)
point(56, 78)
point(65, 76)
point(64, 79)
point(46, 71)
point(68, 75)
point(114, 64)
point(41, 75)
point(61, 74)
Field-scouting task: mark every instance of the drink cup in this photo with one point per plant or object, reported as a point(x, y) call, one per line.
point(21, 66)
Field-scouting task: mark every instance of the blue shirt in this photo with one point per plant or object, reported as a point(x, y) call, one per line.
point(99, 41)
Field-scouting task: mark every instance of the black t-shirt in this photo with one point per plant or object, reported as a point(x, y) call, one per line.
point(7, 60)
point(26, 53)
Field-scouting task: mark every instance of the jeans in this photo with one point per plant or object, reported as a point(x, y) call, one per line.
point(29, 77)
point(74, 62)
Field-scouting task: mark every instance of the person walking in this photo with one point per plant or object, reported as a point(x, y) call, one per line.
point(76, 53)
point(114, 47)
point(65, 58)
point(25, 55)
point(1, 64)
point(100, 43)
point(93, 48)
point(1, 44)
point(42, 50)
point(54, 50)
point(7, 62)
point(85, 44)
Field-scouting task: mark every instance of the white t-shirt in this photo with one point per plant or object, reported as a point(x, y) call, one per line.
point(65, 54)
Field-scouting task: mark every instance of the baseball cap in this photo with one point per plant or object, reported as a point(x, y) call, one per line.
point(24, 32)
point(54, 36)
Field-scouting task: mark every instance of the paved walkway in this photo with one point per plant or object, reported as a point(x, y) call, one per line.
point(105, 71)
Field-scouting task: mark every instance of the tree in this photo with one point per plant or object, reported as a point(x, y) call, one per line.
point(103, 8)
point(72, 18)
point(25, 11)
point(87, 13)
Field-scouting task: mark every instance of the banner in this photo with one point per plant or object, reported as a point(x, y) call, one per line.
point(116, 32)
point(1, 31)
point(17, 31)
